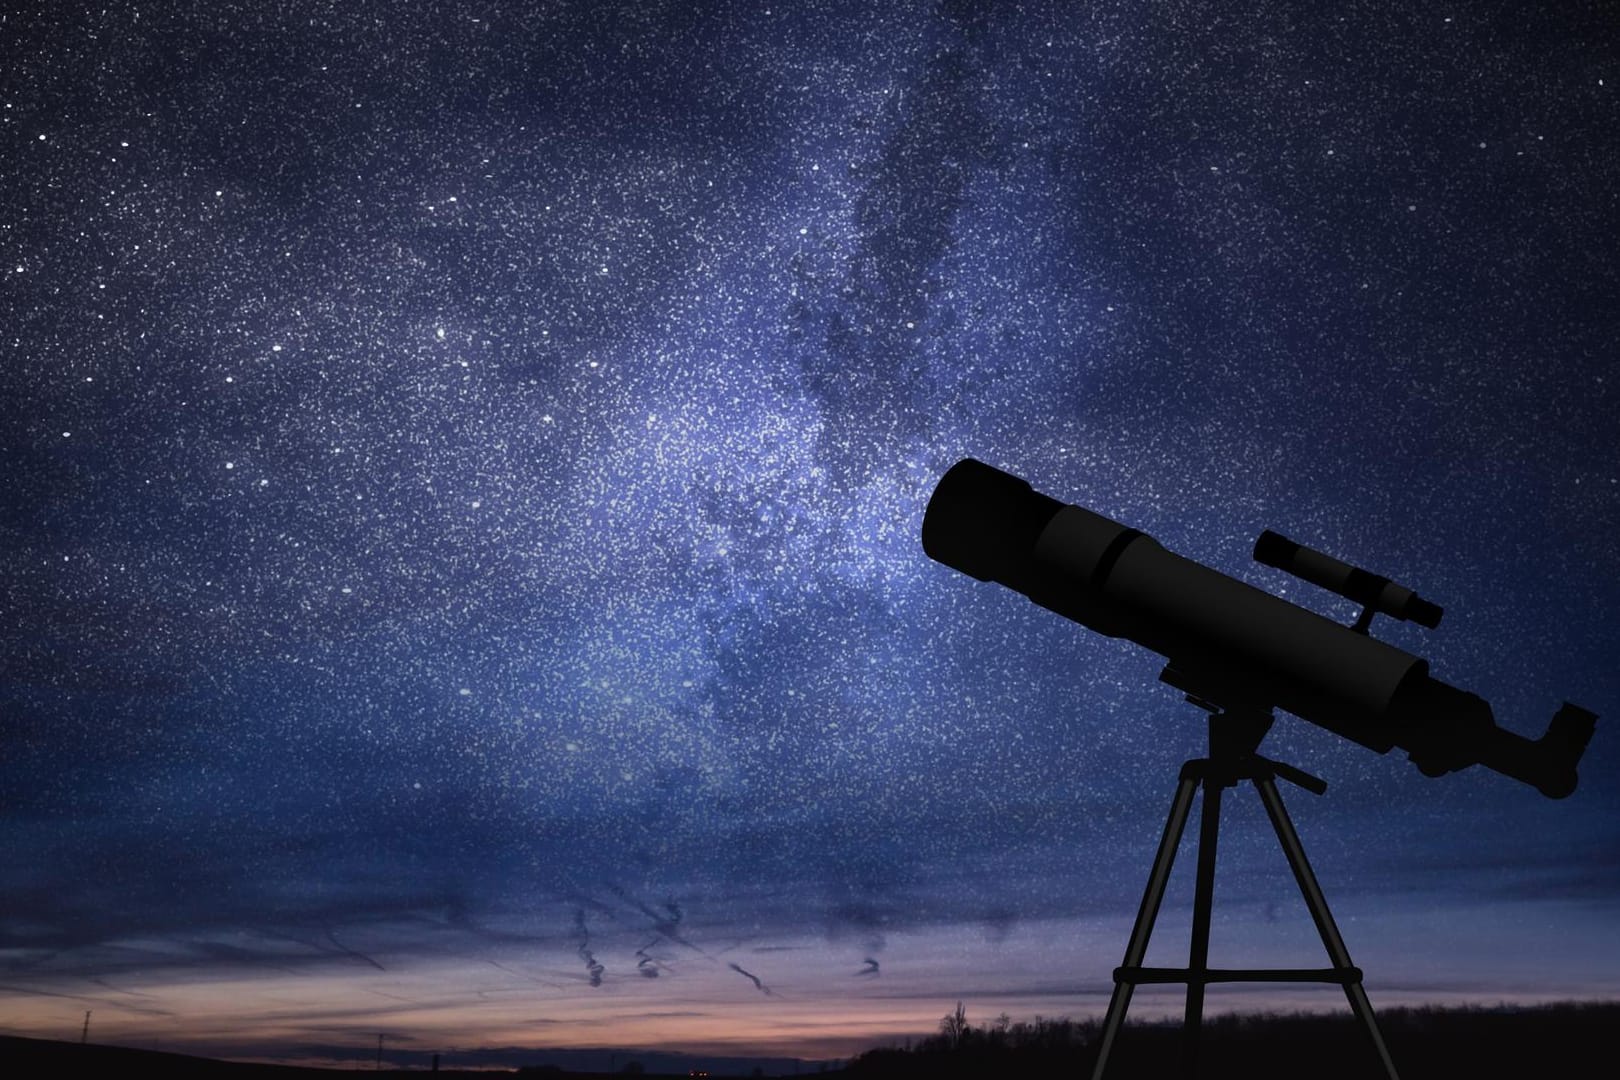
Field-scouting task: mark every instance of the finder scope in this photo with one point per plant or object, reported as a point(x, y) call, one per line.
point(1232, 644)
point(1374, 593)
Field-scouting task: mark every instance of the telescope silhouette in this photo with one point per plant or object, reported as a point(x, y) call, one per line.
point(1230, 645)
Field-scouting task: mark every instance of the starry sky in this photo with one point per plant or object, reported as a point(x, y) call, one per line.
point(463, 466)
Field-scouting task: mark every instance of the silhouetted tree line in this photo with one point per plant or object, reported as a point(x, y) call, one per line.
point(1428, 1042)
point(1002, 1047)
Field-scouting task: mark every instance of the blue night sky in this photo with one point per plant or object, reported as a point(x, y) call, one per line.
point(463, 467)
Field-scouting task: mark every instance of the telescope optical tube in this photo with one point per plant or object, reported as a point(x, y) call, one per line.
point(1256, 649)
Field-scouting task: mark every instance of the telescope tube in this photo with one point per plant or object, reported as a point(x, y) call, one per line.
point(1253, 649)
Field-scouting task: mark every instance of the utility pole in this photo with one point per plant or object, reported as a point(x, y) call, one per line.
point(84, 1036)
point(379, 1051)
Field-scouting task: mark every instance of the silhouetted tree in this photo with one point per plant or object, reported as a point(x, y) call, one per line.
point(954, 1027)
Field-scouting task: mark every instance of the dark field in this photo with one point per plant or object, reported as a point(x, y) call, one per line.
point(1569, 1040)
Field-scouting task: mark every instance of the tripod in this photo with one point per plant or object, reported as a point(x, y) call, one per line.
point(1234, 736)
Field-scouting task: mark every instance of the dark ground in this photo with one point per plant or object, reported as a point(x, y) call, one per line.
point(1565, 1040)
point(1480, 1044)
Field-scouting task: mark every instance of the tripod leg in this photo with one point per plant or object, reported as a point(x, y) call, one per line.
point(1209, 825)
point(1136, 950)
point(1317, 902)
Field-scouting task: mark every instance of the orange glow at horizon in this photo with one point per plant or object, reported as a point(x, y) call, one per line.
point(819, 1005)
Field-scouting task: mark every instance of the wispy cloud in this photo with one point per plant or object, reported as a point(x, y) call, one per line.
point(646, 966)
point(592, 966)
point(347, 950)
point(758, 985)
point(522, 975)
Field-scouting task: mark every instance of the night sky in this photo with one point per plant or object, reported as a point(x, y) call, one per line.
point(461, 471)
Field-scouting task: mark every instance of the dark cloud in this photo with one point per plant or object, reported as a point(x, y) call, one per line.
point(646, 966)
point(751, 977)
point(593, 967)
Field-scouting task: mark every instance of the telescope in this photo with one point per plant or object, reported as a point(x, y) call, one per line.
point(1233, 646)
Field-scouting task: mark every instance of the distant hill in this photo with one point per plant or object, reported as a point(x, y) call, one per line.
point(25, 1059)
